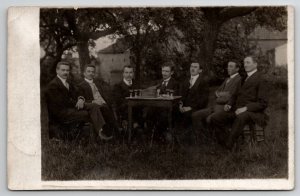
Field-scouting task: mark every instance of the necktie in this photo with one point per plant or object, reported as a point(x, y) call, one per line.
point(164, 83)
point(130, 83)
point(66, 85)
point(191, 82)
point(96, 93)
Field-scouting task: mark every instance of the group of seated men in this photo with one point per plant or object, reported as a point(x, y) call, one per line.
point(238, 100)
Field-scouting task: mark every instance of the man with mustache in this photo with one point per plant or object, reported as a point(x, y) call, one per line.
point(66, 105)
point(94, 92)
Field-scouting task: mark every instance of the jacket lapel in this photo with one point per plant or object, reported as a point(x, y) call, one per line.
point(250, 79)
point(196, 84)
point(88, 89)
point(61, 85)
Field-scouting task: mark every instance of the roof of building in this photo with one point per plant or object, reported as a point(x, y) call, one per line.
point(263, 33)
point(120, 46)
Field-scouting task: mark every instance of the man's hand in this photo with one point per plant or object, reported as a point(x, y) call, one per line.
point(80, 104)
point(240, 110)
point(184, 109)
point(227, 107)
point(98, 102)
point(180, 106)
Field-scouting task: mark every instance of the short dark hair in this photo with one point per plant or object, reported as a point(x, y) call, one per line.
point(63, 63)
point(200, 65)
point(237, 65)
point(89, 65)
point(168, 64)
point(253, 57)
point(127, 66)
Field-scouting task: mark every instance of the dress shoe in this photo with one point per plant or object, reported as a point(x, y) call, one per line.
point(103, 136)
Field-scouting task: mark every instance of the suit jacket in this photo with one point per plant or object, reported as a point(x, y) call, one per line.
point(253, 95)
point(227, 89)
point(60, 99)
point(197, 96)
point(172, 84)
point(120, 91)
point(86, 91)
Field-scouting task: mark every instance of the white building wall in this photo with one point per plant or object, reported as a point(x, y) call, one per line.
point(112, 63)
point(281, 55)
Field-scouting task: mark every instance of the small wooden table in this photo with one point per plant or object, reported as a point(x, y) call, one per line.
point(162, 102)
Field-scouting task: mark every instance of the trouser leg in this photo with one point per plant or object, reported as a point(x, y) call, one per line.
point(199, 119)
point(237, 128)
point(95, 116)
point(219, 122)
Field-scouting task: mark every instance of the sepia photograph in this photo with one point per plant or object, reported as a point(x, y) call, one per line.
point(165, 93)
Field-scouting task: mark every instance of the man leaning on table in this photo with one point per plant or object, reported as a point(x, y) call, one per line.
point(159, 116)
point(120, 92)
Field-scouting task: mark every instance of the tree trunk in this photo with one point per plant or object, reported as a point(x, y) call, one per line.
point(138, 67)
point(84, 55)
point(210, 36)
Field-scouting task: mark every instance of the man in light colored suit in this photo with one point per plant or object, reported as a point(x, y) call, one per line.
point(94, 92)
point(201, 117)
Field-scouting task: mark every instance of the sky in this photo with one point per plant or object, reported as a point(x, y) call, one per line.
point(101, 43)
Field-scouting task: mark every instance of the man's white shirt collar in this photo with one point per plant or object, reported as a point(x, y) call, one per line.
point(128, 83)
point(233, 75)
point(251, 73)
point(88, 80)
point(167, 80)
point(195, 78)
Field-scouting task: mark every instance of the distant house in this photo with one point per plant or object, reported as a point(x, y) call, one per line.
point(112, 59)
point(272, 43)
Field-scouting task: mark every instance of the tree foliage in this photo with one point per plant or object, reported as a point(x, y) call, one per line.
point(209, 35)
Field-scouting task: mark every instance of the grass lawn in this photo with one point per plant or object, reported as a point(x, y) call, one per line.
point(78, 161)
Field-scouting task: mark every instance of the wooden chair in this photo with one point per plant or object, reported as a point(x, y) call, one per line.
point(253, 134)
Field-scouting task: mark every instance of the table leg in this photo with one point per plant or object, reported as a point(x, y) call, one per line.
point(129, 122)
point(170, 125)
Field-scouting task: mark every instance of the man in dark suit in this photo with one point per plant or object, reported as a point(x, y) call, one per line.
point(246, 105)
point(168, 82)
point(223, 95)
point(121, 91)
point(66, 105)
point(194, 92)
point(94, 92)
point(159, 116)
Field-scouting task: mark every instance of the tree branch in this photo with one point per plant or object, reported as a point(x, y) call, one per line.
point(98, 34)
point(233, 12)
